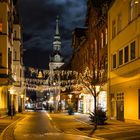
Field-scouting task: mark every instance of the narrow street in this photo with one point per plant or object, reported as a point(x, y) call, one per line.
point(54, 126)
point(39, 125)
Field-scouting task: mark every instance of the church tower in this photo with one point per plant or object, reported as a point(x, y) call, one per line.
point(56, 60)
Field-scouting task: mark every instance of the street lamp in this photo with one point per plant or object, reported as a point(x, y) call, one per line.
point(12, 102)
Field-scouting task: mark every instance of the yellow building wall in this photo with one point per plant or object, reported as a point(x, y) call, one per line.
point(130, 103)
point(3, 100)
point(124, 78)
point(4, 36)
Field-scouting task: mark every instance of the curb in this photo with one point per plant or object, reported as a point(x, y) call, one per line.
point(12, 124)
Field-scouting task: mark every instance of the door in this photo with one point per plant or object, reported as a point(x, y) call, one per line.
point(120, 110)
point(120, 106)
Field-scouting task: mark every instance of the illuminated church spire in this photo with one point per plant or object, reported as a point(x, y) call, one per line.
point(57, 26)
point(57, 38)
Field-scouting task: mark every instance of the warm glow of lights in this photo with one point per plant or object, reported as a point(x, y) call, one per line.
point(40, 75)
point(50, 100)
point(11, 90)
point(97, 88)
point(21, 95)
point(70, 96)
point(136, 2)
point(82, 94)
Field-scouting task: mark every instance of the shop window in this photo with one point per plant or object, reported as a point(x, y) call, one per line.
point(114, 61)
point(120, 57)
point(133, 50)
point(126, 54)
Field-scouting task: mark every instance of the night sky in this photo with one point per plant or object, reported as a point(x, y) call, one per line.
point(38, 20)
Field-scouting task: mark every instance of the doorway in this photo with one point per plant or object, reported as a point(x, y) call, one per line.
point(120, 106)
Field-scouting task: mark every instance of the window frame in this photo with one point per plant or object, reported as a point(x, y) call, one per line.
point(119, 22)
point(114, 59)
point(122, 57)
point(128, 55)
point(131, 57)
point(113, 28)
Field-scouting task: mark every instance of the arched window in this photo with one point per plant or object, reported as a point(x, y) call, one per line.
point(134, 9)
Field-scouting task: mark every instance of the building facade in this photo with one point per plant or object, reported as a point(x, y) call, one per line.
point(8, 45)
point(92, 50)
point(123, 60)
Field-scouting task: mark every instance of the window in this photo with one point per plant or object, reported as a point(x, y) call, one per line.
point(120, 57)
point(134, 9)
point(114, 61)
point(106, 36)
point(126, 54)
point(133, 50)
point(92, 50)
point(113, 28)
point(102, 40)
point(0, 25)
point(95, 43)
point(119, 23)
point(15, 34)
point(0, 59)
point(15, 55)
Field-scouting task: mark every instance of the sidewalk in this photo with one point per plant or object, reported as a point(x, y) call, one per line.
point(6, 121)
point(113, 130)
